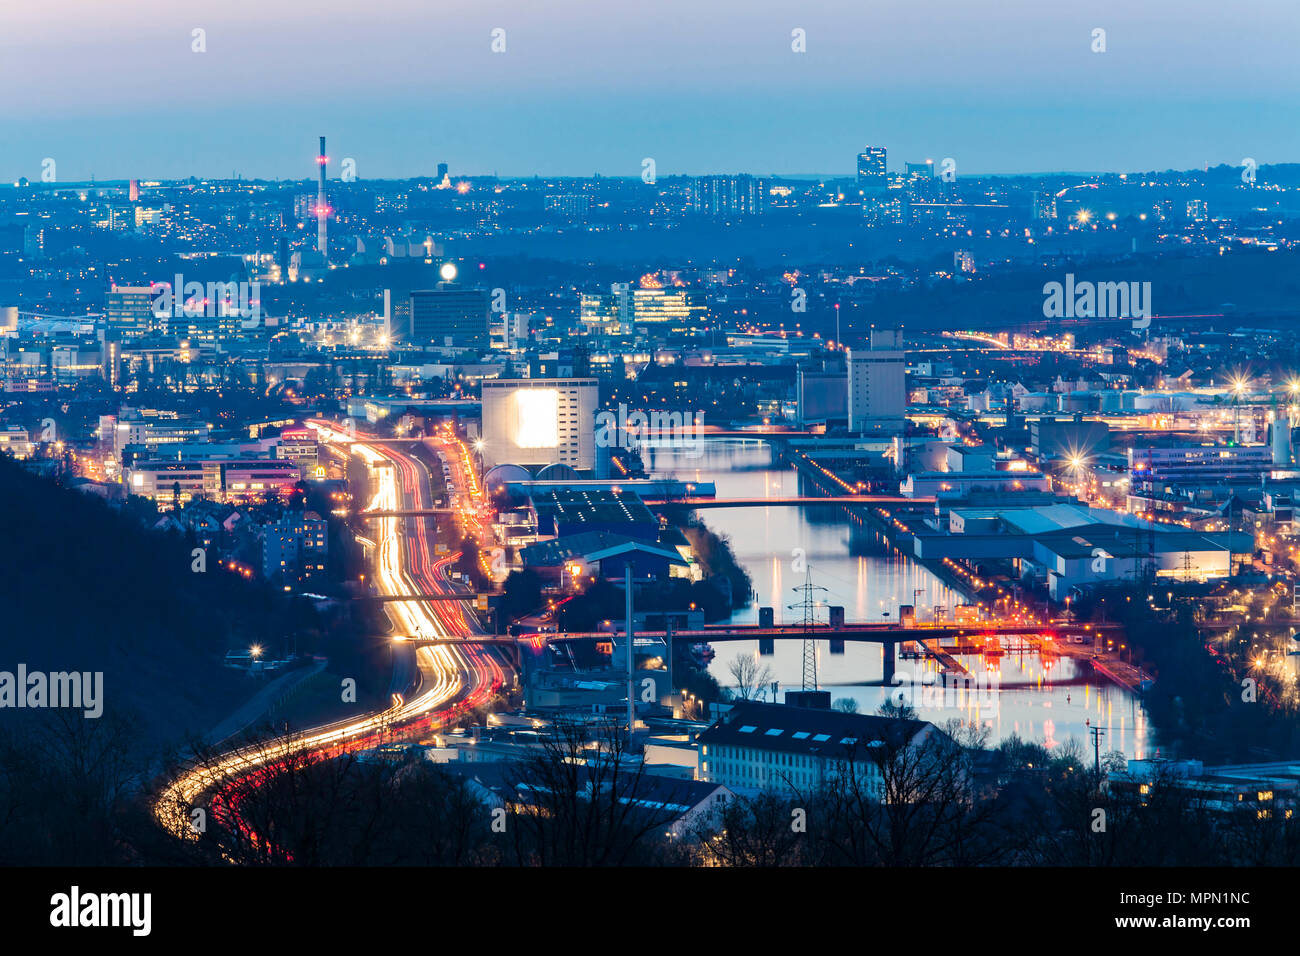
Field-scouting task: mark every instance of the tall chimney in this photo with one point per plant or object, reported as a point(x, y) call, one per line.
point(322, 210)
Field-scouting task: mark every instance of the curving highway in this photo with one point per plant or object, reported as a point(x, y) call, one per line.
point(452, 678)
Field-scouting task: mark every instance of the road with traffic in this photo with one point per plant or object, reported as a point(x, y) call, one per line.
point(453, 679)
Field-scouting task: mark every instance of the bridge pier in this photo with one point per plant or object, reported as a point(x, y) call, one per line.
point(889, 659)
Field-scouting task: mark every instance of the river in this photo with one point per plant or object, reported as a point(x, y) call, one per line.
point(1044, 701)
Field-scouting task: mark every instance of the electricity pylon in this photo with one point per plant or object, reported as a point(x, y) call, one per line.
point(809, 608)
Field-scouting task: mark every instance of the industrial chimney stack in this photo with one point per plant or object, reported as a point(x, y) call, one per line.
point(322, 209)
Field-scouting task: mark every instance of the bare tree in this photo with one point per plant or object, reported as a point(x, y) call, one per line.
point(751, 678)
point(757, 831)
point(583, 801)
point(905, 800)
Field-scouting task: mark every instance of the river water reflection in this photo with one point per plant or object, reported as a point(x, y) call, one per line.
point(1045, 701)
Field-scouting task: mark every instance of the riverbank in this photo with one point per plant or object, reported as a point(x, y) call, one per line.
point(715, 556)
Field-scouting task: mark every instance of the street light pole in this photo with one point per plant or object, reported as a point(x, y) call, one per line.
point(627, 609)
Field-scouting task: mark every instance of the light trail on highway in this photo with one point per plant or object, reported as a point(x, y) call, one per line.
point(454, 679)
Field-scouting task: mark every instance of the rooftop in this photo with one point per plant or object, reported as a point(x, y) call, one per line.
point(805, 730)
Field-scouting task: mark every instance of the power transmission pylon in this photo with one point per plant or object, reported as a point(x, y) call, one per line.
point(809, 609)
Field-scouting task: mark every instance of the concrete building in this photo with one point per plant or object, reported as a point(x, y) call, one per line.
point(15, 441)
point(877, 396)
point(1068, 438)
point(221, 479)
point(757, 746)
point(540, 422)
point(295, 547)
point(130, 428)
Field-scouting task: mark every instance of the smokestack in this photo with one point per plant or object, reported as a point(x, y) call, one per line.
point(322, 210)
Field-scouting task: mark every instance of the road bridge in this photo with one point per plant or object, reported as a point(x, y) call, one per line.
point(801, 501)
point(888, 636)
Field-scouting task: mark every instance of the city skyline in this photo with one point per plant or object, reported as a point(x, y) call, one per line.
point(732, 436)
point(933, 82)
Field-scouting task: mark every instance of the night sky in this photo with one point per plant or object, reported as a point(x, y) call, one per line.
point(114, 89)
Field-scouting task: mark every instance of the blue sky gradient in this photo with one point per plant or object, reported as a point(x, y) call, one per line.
point(113, 89)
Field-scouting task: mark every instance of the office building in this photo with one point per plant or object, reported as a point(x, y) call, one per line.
point(871, 169)
point(623, 312)
point(129, 311)
point(450, 317)
point(221, 479)
point(1202, 464)
point(568, 205)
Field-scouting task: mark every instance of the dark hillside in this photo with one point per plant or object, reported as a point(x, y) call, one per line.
point(85, 588)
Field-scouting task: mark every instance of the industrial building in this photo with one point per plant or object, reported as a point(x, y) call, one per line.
point(540, 422)
point(1071, 548)
point(877, 397)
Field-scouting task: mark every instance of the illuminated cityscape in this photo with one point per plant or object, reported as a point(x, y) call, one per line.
point(875, 496)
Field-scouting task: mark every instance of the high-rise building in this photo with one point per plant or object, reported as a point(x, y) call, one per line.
point(128, 310)
point(871, 169)
point(878, 384)
point(721, 197)
point(540, 422)
point(450, 316)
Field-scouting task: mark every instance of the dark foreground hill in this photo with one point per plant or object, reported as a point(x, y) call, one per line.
point(86, 588)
